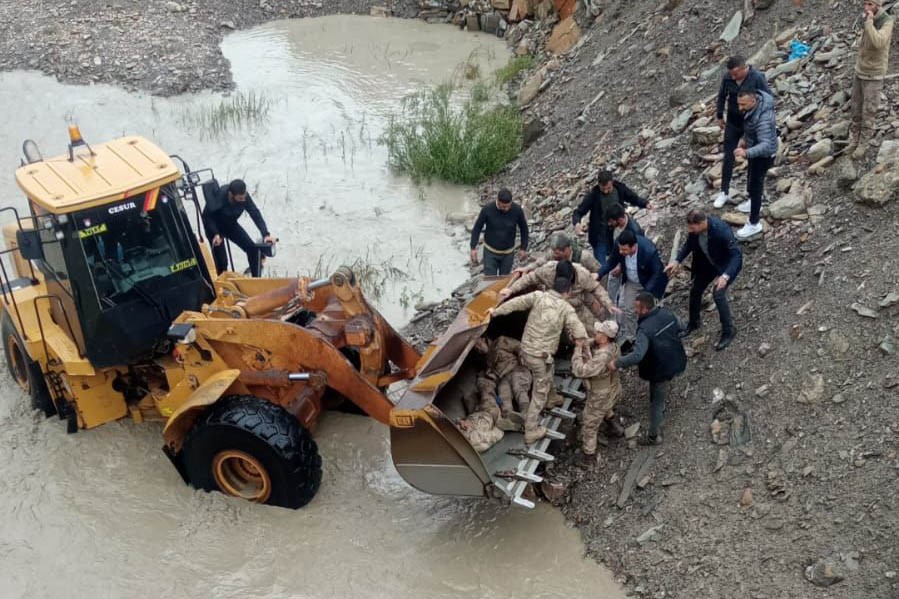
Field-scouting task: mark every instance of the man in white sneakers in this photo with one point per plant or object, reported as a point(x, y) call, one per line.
point(739, 76)
point(759, 147)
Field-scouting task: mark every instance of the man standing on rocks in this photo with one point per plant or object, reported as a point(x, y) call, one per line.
point(605, 194)
point(739, 76)
point(499, 222)
point(661, 357)
point(717, 261)
point(870, 68)
point(550, 315)
point(636, 260)
point(592, 364)
point(759, 147)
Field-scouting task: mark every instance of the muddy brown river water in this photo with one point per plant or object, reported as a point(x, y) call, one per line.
point(103, 514)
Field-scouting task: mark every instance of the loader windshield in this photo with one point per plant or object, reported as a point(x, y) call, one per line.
point(134, 246)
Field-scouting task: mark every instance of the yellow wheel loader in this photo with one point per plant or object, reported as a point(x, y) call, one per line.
point(111, 309)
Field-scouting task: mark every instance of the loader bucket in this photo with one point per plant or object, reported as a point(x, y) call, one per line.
point(428, 449)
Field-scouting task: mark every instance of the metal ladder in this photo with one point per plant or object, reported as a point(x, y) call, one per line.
point(536, 453)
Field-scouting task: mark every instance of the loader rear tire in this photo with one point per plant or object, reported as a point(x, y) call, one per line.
point(24, 371)
point(250, 448)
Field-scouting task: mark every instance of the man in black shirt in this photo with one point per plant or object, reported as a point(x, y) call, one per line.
point(499, 221)
point(739, 76)
point(220, 216)
point(606, 193)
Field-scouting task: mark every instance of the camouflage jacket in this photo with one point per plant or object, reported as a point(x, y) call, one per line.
point(550, 316)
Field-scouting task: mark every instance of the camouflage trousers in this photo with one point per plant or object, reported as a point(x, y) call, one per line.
point(598, 407)
point(542, 371)
point(514, 388)
point(480, 430)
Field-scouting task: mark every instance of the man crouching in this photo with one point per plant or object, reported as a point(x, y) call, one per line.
point(591, 363)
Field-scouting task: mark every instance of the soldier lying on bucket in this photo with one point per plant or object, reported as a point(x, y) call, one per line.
point(479, 428)
point(505, 382)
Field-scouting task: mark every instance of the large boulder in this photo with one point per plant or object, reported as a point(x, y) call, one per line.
point(530, 88)
point(790, 205)
point(564, 36)
point(680, 122)
point(879, 186)
point(889, 151)
point(706, 136)
point(764, 55)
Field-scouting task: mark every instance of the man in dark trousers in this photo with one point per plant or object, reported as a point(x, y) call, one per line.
point(717, 261)
point(660, 354)
point(605, 194)
point(220, 216)
point(759, 147)
point(499, 221)
point(636, 260)
point(739, 76)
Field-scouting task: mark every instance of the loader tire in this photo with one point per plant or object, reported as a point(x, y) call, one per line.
point(250, 448)
point(24, 371)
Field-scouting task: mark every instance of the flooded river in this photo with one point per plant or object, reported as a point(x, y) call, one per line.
point(103, 514)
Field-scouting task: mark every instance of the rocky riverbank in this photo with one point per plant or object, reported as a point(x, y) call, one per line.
point(779, 469)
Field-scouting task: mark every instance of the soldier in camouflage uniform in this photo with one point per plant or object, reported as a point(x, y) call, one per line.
point(563, 247)
point(588, 298)
point(550, 315)
point(506, 378)
point(591, 364)
point(480, 430)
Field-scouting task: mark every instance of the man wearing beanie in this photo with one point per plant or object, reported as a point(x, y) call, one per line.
point(870, 67)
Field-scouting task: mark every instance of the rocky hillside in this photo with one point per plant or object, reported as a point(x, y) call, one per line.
point(779, 469)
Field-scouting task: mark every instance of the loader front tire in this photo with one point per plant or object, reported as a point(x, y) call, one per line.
point(24, 371)
point(250, 448)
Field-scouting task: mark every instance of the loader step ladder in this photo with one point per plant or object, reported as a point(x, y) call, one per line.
point(535, 454)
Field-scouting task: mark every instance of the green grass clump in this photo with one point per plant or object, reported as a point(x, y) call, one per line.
point(515, 66)
point(435, 136)
point(234, 112)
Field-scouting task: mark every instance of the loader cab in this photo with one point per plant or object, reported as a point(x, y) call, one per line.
point(114, 244)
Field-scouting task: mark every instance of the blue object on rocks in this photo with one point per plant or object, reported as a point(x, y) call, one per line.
point(798, 50)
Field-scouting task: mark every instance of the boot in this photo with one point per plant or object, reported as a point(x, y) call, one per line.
point(587, 461)
point(534, 435)
point(554, 400)
point(692, 327)
point(510, 422)
point(614, 428)
point(726, 338)
point(650, 440)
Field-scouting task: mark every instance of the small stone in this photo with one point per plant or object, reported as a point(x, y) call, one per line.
point(846, 174)
point(746, 498)
point(890, 300)
point(717, 395)
point(838, 343)
point(838, 398)
point(765, 54)
point(812, 389)
point(819, 167)
point(680, 122)
point(227, 25)
point(706, 136)
point(790, 205)
point(762, 391)
point(650, 534)
point(631, 431)
point(530, 88)
point(764, 349)
point(820, 150)
point(564, 36)
point(887, 346)
point(863, 310)
point(732, 30)
point(879, 186)
point(554, 491)
point(888, 152)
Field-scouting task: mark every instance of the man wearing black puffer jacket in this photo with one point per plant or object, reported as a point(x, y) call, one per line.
point(661, 356)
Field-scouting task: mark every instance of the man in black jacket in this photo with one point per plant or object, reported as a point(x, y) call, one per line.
point(220, 216)
point(717, 261)
point(499, 221)
point(661, 357)
point(739, 76)
point(605, 194)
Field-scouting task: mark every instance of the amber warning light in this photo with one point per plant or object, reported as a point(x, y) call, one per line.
point(75, 135)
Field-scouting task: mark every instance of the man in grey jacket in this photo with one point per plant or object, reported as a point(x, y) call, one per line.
point(759, 147)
